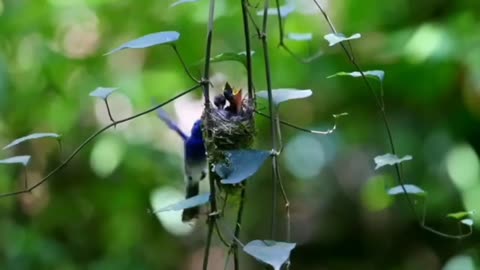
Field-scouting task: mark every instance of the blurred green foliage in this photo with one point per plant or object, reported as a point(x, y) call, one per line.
point(93, 214)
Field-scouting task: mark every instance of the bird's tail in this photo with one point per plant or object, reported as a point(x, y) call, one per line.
point(191, 213)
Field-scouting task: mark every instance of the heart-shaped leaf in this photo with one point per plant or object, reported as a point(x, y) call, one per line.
point(242, 165)
point(16, 160)
point(333, 38)
point(188, 203)
point(270, 252)
point(281, 95)
point(460, 215)
point(376, 74)
point(411, 189)
point(33, 136)
point(285, 10)
point(149, 41)
point(102, 92)
point(389, 159)
point(300, 36)
point(467, 221)
point(182, 2)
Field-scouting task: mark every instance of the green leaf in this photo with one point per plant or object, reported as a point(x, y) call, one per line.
point(300, 36)
point(33, 136)
point(389, 159)
point(231, 56)
point(102, 92)
point(411, 189)
point(149, 41)
point(460, 215)
point(188, 203)
point(376, 74)
point(182, 2)
point(285, 10)
point(281, 95)
point(16, 160)
point(270, 252)
point(467, 221)
point(333, 38)
point(242, 164)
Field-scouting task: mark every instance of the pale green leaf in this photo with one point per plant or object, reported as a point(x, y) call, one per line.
point(188, 203)
point(389, 159)
point(272, 253)
point(242, 164)
point(333, 38)
point(282, 95)
point(16, 160)
point(149, 41)
point(410, 189)
point(102, 92)
point(33, 136)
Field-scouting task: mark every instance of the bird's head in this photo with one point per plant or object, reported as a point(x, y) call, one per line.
point(197, 129)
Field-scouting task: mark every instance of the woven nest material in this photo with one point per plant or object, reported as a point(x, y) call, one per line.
point(229, 131)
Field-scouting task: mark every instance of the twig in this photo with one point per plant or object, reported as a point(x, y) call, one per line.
point(281, 44)
point(238, 227)
point(272, 111)
point(248, 55)
point(184, 65)
point(221, 237)
point(288, 124)
point(446, 235)
point(91, 138)
point(108, 111)
point(206, 95)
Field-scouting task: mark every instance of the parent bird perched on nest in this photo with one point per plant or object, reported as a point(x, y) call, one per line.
point(195, 161)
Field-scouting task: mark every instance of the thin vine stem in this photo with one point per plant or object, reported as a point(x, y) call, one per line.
point(206, 95)
point(281, 44)
point(91, 138)
point(183, 64)
point(272, 111)
point(248, 55)
point(238, 227)
point(381, 106)
point(288, 124)
point(108, 110)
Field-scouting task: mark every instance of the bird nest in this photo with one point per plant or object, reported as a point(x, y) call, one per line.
point(229, 131)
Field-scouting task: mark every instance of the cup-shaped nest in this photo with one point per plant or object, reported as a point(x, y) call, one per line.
point(229, 130)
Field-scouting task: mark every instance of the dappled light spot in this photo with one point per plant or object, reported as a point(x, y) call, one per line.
point(77, 34)
point(28, 52)
point(428, 41)
point(198, 14)
point(170, 220)
point(304, 156)
point(463, 262)
point(374, 194)
point(188, 109)
point(308, 7)
point(107, 154)
point(80, 40)
point(471, 200)
point(463, 166)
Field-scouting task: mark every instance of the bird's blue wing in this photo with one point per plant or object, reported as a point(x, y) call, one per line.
point(162, 114)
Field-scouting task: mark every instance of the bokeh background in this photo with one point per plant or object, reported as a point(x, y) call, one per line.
point(94, 213)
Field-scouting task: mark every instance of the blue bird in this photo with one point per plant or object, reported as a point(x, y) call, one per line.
point(195, 161)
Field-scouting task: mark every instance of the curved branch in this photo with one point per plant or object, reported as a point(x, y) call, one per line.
point(91, 138)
